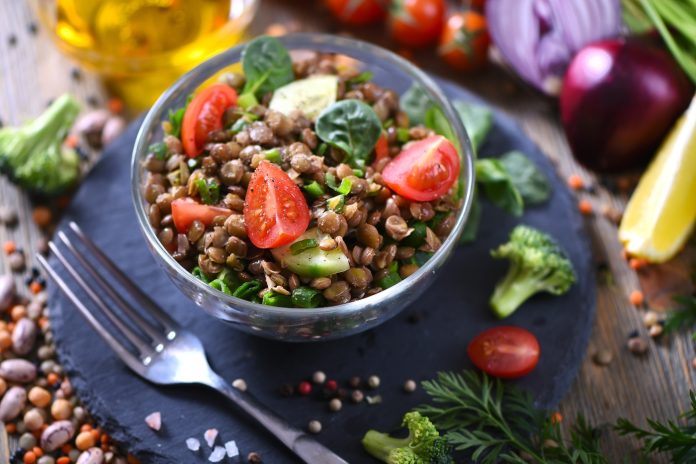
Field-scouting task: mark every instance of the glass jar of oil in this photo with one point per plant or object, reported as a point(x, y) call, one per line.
point(142, 46)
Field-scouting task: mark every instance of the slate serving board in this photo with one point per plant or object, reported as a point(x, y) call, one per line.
point(429, 336)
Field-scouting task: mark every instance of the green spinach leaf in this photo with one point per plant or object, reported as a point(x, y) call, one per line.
point(351, 126)
point(436, 120)
point(267, 66)
point(415, 102)
point(477, 121)
point(532, 184)
point(498, 186)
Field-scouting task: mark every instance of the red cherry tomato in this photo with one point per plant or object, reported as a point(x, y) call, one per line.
point(424, 170)
point(185, 211)
point(203, 115)
point(464, 42)
point(357, 12)
point(381, 148)
point(275, 210)
point(507, 352)
point(416, 23)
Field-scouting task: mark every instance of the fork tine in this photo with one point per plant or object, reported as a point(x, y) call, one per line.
point(144, 348)
point(170, 324)
point(119, 349)
point(141, 322)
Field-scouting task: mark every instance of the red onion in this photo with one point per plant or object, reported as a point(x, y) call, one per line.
point(538, 38)
point(619, 99)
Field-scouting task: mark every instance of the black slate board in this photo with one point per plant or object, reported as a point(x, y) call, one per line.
point(450, 313)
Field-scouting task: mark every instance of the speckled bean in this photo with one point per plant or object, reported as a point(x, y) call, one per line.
point(56, 435)
point(7, 291)
point(12, 403)
point(24, 336)
point(91, 456)
point(17, 370)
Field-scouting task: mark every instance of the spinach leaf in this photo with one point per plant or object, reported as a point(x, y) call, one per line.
point(477, 120)
point(175, 119)
point(267, 66)
point(532, 184)
point(498, 186)
point(415, 102)
point(472, 222)
point(436, 120)
point(351, 126)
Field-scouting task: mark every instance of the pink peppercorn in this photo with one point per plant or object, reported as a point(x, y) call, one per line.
point(304, 388)
point(331, 385)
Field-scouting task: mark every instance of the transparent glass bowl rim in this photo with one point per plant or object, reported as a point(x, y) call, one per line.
point(330, 44)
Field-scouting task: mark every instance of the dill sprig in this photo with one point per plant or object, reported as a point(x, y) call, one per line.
point(683, 316)
point(498, 422)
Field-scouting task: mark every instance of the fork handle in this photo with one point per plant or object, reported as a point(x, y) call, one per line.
point(303, 445)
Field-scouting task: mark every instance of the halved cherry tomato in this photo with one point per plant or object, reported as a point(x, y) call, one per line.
point(424, 170)
point(185, 211)
point(464, 42)
point(381, 148)
point(416, 22)
point(357, 12)
point(275, 210)
point(203, 115)
point(507, 352)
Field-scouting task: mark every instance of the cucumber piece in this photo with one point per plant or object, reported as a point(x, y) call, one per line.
point(313, 262)
point(310, 95)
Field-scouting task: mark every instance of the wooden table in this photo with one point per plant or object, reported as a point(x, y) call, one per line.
point(655, 385)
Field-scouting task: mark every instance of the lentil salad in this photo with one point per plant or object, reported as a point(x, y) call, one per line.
point(312, 191)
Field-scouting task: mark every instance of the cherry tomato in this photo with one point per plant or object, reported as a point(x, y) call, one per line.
point(464, 42)
point(357, 12)
point(275, 211)
point(185, 211)
point(424, 170)
point(381, 148)
point(507, 352)
point(416, 23)
point(203, 115)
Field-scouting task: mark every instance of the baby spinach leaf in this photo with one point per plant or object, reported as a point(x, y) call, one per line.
point(532, 184)
point(477, 121)
point(267, 66)
point(498, 186)
point(415, 102)
point(436, 120)
point(351, 126)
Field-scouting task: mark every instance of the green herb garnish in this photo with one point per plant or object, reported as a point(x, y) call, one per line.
point(208, 190)
point(159, 150)
point(306, 297)
point(314, 189)
point(267, 66)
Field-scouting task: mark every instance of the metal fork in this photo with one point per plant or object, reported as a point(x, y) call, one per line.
point(159, 349)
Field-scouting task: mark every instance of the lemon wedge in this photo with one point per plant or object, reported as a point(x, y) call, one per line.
point(662, 211)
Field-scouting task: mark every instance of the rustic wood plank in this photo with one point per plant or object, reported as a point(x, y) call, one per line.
point(656, 385)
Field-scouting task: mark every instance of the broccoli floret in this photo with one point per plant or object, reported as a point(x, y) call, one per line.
point(423, 445)
point(537, 264)
point(33, 155)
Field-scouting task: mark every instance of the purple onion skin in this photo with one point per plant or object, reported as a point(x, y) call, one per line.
point(618, 101)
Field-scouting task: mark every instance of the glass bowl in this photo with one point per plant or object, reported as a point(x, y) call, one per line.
point(294, 324)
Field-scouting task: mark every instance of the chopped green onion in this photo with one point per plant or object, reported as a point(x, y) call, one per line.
point(248, 290)
point(417, 237)
point(239, 125)
point(314, 189)
point(392, 278)
point(388, 123)
point(272, 155)
point(298, 247)
point(343, 189)
point(175, 119)
point(437, 219)
point(402, 134)
point(272, 298)
point(209, 191)
point(322, 149)
point(306, 297)
point(420, 257)
point(247, 100)
point(220, 285)
point(361, 78)
point(336, 203)
point(200, 275)
point(158, 149)
point(358, 173)
point(331, 181)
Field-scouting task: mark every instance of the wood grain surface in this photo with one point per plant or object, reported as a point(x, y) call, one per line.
point(655, 385)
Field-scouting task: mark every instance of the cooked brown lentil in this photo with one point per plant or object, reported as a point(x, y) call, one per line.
point(367, 228)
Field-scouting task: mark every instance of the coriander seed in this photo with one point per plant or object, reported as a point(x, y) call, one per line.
point(373, 381)
point(319, 377)
point(314, 426)
point(335, 405)
point(357, 396)
point(410, 386)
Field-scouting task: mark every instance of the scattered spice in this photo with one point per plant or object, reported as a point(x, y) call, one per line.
point(650, 318)
point(636, 298)
point(9, 247)
point(637, 345)
point(585, 207)
point(335, 405)
point(318, 377)
point(232, 449)
point(602, 357)
point(210, 436)
point(16, 261)
point(373, 381)
point(239, 384)
point(154, 421)
point(575, 182)
point(42, 216)
point(377, 399)
point(314, 426)
point(115, 105)
point(287, 390)
point(357, 396)
point(410, 386)
point(304, 388)
point(218, 454)
point(637, 263)
point(8, 216)
point(655, 330)
point(331, 385)
point(193, 444)
point(254, 458)
point(354, 382)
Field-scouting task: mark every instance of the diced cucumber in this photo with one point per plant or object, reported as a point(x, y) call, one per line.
point(310, 95)
point(313, 262)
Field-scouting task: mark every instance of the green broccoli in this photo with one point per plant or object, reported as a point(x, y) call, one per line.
point(537, 264)
point(423, 445)
point(33, 155)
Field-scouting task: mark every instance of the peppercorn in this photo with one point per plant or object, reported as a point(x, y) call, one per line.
point(240, 384)
point(331, 385)
point(373, 381)
point(335, 405)
point(304, 388)
point(410, 386)
point(637, 345)
point(318, 377)
point(254, 458)
point(357, 396)
point(287, 390)
point(354, 382)
point(314, 426)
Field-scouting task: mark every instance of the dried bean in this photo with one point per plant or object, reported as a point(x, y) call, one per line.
point(91, 456)
point(12, 403)
point(7, 291)
point(24, 336)
point(56, 435)
point(18, 370)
